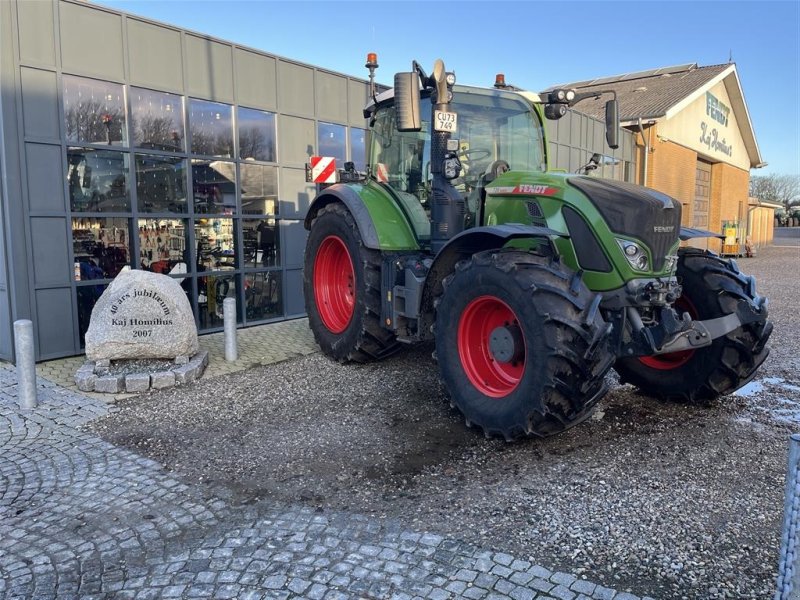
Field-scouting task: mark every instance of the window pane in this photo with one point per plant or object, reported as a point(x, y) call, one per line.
point(358, 148)
point(94, 111)
point(98, 180)
point(262, 295)
point(215, 247)
point(157, 120)
point(332, 142)
point(259, 189)
point(211, 293)
point(214, 186)
point(161, 183)
point(261, 243)
point(88, 295)
point(256, 135)
point(211, 128)
point(101, 247)
point(163, 245)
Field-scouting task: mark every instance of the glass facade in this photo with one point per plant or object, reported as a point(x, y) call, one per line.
point(189, 188)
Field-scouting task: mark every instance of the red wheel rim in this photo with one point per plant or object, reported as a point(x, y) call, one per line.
point(489, 376)
point(673, 360)
point(334, 284)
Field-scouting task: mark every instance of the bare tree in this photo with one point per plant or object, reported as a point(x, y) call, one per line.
point(155, 132)
point(784, 189)
point(94, 122)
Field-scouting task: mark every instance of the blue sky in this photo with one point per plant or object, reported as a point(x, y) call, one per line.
point(536, 44)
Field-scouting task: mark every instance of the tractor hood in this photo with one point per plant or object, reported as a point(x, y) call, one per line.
point(635, 211)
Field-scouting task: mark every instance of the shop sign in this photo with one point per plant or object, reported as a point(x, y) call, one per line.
point(711, 140)
point(716, 109)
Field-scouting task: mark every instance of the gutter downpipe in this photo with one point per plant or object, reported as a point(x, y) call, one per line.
point(646, 150)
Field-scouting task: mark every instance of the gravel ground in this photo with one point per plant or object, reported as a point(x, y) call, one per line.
point(666, 500)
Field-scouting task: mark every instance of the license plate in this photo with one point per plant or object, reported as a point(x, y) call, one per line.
point(445, 121)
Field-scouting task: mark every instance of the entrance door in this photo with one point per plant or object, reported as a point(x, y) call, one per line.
point(702, 194)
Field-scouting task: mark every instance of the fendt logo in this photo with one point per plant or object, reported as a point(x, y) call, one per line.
point(663, 228)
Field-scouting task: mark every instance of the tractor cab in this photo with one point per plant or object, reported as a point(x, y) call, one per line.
point(495, 131)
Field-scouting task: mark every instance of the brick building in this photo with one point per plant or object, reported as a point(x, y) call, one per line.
point(695, 140)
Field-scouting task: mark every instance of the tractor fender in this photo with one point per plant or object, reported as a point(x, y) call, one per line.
point(469, 242)
point(350, 198)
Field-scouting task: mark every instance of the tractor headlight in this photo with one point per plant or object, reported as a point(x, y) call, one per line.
point(634, 254)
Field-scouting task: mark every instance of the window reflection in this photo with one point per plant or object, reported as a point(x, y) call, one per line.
point(97, 180)
point(262, 295)
point(100, 247)
point(259, 189)
point(358, 148)
point(332, 142)
point(215, 244)
point(88, 295)
point(94, 111)
point(260, 243)
point(157, 120)
point(212, 290)
point(211, 128)
point(214, 186)
point(162, 245)
point(256, 135)
point(161, 183)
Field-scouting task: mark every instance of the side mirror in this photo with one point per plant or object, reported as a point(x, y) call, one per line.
point(406, 102)
point(612, 123)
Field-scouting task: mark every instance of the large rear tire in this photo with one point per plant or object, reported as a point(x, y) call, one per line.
point(521, 344)
point(342, 287)
point(712, 287)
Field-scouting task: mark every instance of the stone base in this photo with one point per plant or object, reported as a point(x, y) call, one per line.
point(96, 376)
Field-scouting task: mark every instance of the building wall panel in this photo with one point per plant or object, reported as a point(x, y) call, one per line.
point(155, 56)
point(671, 169)
point(358, 93)
point(294, 234)
point(295, 89)
point(295, 305)
point(91, 41)
point(295, 193)
point(36, 33)
point(256, 84)
point(50, 251)
point(40, 103)
point(297, 140)
point(45, 178)
point(331, 94)
point(209, 68)
point(54, 326)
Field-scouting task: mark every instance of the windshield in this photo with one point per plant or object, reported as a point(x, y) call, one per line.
point(491, 126)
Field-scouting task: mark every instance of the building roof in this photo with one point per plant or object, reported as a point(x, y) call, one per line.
point(661, 93)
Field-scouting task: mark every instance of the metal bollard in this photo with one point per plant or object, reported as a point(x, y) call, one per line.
point(789, 562)
point(229, 319)
point(26, 363)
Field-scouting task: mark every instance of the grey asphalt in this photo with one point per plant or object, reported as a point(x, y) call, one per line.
point(81, 518)
point(786, 236)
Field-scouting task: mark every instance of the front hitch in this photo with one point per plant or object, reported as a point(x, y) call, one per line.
point(675, 334)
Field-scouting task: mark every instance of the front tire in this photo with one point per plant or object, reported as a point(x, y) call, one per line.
point(341, 286)
point(521, 344)
point(712, 287)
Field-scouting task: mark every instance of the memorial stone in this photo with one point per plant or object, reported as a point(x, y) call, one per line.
point(141, 315)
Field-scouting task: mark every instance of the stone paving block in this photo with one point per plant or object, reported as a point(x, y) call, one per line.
point(583, 587)
point(109, 384)
point(562, 593)
point(564, 579)
point(137, 382)
point(162, 380)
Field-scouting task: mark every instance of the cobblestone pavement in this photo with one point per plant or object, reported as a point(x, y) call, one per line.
point(81, 518)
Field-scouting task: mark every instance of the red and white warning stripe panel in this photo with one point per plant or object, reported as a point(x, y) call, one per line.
point(381, 172)
point(323, 169)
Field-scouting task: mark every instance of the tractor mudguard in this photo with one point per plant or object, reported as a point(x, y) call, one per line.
point(470, 242)
point(688, 233)
point(381, 222)
point(350, 198)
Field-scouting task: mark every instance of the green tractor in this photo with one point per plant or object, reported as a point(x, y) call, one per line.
point(532, 283)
